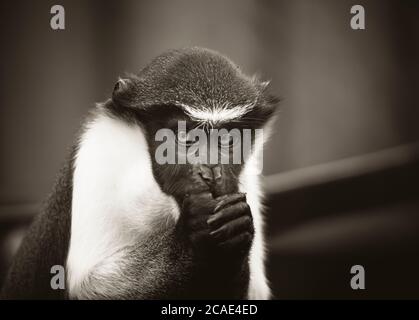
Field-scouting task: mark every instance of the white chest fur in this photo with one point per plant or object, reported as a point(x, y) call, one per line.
point(112, 185)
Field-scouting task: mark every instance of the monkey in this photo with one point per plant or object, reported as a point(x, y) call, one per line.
point(125, 226)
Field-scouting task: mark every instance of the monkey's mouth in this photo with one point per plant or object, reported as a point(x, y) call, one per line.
point(219, 187)
point(218, 190)
point(213, 177)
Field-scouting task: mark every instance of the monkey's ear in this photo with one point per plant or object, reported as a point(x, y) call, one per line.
point(120, 86)
point(269, 100)
point(123, 91)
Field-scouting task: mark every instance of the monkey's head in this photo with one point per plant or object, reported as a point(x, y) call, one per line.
point(202, 118)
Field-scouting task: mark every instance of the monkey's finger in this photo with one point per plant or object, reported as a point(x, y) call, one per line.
point(201, 242)
point(232, 228)
point(227, 214)
point(201, 203)
point(199, 195)
point(240, 241)
point(197, 222)
point(196, 197)
point(229, 200)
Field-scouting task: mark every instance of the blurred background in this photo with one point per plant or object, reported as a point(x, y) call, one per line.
point(341, 169)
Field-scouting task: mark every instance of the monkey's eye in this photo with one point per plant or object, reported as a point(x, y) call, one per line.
point(183, 138)
point(227, 140)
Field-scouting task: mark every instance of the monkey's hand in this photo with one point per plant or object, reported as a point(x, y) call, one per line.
point(231, 224)
point(223, 224)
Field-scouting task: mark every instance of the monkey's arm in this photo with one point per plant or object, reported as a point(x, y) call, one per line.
point(44, 246)
point(154, 268)
point(182, 260)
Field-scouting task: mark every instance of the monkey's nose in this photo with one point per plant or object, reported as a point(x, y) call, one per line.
point(216, 171)
point(205, 173)
point(210, 173)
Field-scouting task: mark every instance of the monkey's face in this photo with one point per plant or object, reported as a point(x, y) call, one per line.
point(197, 109)
point(190, 156)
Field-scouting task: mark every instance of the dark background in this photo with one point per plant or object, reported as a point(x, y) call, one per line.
point(341, 167)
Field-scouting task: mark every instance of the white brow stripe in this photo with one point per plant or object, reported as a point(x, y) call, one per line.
point(217, 114)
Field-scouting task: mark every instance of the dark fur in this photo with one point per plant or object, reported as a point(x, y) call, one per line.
point(193, 77)
point(46, 244)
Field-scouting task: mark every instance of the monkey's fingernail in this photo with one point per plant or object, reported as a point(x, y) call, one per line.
point(229, 200)
point(215, 233)
point(211, 220)
point(219, 233)
point(219, 206)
